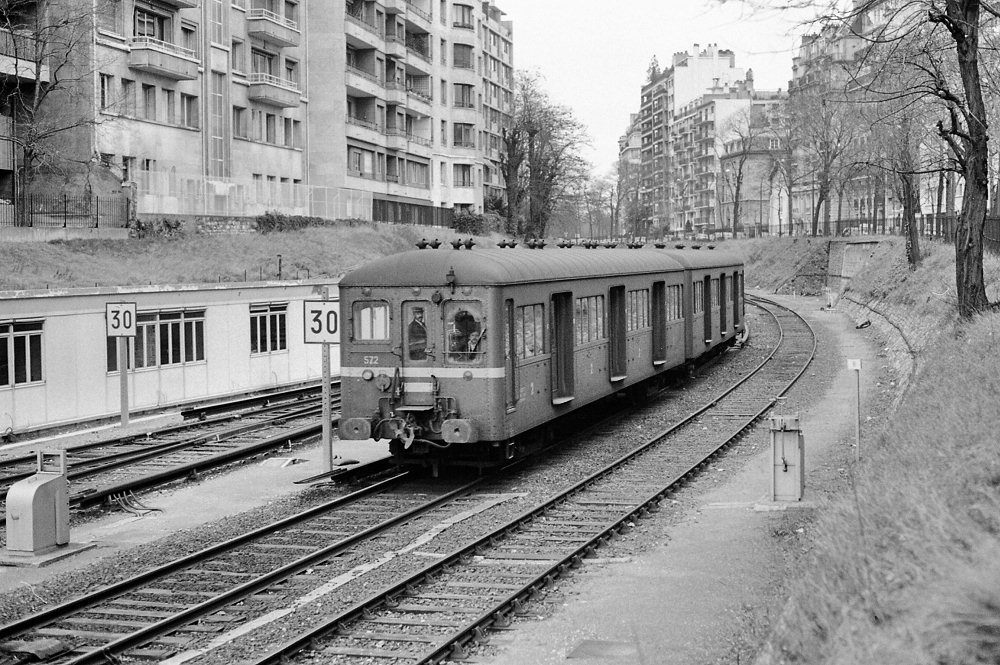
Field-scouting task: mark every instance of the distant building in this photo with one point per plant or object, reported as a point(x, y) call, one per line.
point(388, 109)
point(663, 95)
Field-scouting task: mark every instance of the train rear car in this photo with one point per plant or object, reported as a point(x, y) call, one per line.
point(464, 356)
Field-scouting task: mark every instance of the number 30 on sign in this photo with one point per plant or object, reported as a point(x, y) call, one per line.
point(120, 319)
point(321, 322)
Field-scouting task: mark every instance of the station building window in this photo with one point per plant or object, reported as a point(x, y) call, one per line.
point(529, 331)
point(267, 328)
point(589, 319)
point(163, 339)
point(20, 352)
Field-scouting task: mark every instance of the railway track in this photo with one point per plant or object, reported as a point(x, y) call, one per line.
point(370, 551)
point(108, 471)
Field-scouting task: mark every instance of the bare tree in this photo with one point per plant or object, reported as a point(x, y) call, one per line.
point(543, 161)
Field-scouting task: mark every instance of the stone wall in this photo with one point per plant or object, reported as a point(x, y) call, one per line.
point(200, 224)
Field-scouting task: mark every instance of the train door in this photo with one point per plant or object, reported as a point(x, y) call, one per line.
point(659, 323)
point(421, 326)
point(562, 348)
point(618, 361)
point(737, 294)
point(706, 294)
point(722, 304)
point(510, 354)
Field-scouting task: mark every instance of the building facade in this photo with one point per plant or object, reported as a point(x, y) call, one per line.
point(389, 110)
point(663, 95)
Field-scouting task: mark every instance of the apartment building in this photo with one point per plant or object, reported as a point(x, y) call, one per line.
point(688, 76)
point(387, 110)
point(634, 221)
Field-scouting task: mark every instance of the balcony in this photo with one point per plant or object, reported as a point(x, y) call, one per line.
point(395, 138)
point(164, 59)
point(13, 47)
point(269, 89)
point(416, 11)
point(394, 6)
point(363, 30)
point(181, 4)
point(361, 83)
point(395, 93)
point(395, 46)
point(363, 129)
point(419, 102)
point(273, 29)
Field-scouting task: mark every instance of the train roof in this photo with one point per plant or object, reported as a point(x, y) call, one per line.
point(494, 267)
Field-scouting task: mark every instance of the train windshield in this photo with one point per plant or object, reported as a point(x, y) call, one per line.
point(465, 332)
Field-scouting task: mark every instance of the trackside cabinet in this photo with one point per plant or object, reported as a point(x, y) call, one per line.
point(38, 508)
point(788, 477)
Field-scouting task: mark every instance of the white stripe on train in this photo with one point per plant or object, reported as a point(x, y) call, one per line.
point(427, 372)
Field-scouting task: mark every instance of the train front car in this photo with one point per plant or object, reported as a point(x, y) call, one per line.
point(419, 365)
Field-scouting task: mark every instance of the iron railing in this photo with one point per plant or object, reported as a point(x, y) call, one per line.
point(66, 212)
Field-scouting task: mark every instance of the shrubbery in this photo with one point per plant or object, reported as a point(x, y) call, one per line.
point(159, 227)
point(274, 222)
point(474, 224)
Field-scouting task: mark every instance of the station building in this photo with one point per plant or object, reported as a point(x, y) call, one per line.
point(193, 343)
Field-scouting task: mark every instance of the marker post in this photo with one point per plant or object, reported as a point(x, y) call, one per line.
point(321, 326)
point(855, 364)
point(121, 323)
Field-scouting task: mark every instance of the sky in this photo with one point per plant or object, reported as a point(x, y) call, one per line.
point(593, 56)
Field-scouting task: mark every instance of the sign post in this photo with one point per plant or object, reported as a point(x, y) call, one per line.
point(121, 322)
point(321, 325)
point(855, 364)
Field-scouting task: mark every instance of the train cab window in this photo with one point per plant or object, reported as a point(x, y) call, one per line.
point(465, 332)
point(416, 335)
point(371, 321)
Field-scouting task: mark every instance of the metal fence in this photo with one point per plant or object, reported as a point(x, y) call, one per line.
point(66, 212)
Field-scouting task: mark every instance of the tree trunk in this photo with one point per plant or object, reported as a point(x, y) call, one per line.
point(971, 223)
point(910, 204)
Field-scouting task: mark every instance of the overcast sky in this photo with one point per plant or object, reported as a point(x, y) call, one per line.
point(593, 56)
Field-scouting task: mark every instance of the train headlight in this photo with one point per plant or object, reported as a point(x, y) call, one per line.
point(367, 375)
point(467, 375)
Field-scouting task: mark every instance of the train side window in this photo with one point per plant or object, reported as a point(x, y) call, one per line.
point(589, 312)
point(637, 309)
point(699, 297)
point(529, 331)
point(371, 321)
point(465, 331)
point(675, 302)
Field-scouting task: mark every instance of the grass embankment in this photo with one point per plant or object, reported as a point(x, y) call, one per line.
point(196, 259)
point(906, 569)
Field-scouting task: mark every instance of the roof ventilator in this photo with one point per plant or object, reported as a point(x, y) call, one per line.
point(458, 243)
point(503, 244)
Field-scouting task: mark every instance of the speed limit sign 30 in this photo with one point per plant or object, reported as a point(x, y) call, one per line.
point(120, 319)
point(321, 321)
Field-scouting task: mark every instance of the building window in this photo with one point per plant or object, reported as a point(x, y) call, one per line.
point(462, 175)
point(189, 37)
point(169, 104)
point(189, 111)
point(292, 71)
point(463, 57)
point(163, 339)
point(148, 24)
point(128, 98)
point(462, 16)
point(529, 331)
point(20, 352)
point(239, 56)
point(215, 21)
point(269, 126)
point(107, 91)
point(240, 122)
point(465, 96)
point(148, 102)
point(463, 135)
point(261, 62)
point(267, 328)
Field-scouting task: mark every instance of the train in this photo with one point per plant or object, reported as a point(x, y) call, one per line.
point(461, 355)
